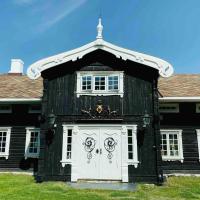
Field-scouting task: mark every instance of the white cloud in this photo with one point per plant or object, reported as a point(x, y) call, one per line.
point(66, 10)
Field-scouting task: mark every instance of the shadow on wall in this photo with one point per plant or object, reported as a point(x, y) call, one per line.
point(26, 164)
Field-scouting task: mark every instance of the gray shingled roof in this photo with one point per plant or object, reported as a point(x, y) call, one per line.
point(180, 85)
point(20, 86)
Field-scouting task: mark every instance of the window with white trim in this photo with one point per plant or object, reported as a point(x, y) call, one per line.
point(32, 146)
point(198, 141)
point(4, 141)
point(132, 145)
point(197, 107)
point(171, 145)
point(5, 108)
point(169, 107)
point(99, 83)
point(67, 145)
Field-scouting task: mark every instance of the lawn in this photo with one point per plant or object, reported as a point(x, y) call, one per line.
point(22, 187)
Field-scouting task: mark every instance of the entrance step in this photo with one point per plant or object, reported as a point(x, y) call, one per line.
point(102, 185)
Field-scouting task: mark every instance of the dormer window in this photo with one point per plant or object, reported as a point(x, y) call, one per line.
point(99, 83)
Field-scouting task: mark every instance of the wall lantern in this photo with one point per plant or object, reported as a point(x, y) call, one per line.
point(51, 119)
point(146, 120)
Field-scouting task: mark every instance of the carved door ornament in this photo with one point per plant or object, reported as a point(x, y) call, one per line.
point(109, 144)
point(89, 146)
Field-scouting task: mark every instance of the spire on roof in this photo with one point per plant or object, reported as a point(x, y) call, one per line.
point(99, 30)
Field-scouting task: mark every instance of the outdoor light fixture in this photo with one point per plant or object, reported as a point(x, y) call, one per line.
point(146, 120)
point(51, 119)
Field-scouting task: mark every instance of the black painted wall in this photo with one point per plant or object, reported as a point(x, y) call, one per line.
point(18, 120)
point(140, 84)
point(187, 120)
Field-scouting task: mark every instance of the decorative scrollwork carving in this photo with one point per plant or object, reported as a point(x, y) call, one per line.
point(89, 146)
point(100, 111)
point(109, 144)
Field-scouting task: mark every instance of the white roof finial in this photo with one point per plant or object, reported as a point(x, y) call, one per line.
point(99, 30)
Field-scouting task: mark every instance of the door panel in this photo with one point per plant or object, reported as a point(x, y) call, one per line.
point(110, 143)
point(88, 156)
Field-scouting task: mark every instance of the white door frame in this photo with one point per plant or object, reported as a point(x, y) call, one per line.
point(73, 160)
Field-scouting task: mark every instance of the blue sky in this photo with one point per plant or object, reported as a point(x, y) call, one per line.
point(35, 29)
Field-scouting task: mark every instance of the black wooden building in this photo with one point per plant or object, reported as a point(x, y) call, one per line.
point(105, 113)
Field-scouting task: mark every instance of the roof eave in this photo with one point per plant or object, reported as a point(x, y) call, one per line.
point(20, 100)
point(165, 69)
point(179, 99)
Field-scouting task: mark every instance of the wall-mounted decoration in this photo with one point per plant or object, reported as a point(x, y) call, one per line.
point(100, 111)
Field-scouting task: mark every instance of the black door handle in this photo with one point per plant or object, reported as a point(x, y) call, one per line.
point(97, 151)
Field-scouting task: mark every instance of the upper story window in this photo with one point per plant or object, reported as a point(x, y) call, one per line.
point(4, 108)
point(99, 83)
point(198, 108)
point(171, 145)
point(4, 141)
point(169, 107)
point(32, 146)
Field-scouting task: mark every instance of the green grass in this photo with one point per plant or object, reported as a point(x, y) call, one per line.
point(21, 187)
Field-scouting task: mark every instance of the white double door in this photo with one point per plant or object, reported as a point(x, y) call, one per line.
point(99, 155)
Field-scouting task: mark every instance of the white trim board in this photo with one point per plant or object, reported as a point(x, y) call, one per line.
point(19, 100)
point(165, 69)
point(179, 99)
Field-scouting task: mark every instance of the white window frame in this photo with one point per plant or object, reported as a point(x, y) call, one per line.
point(180, 145)
point(197, 107)
point(64, 160)
point(8, 130)
point(176, 110)
point(86, 85)
point(105, 74)
point(27, 154)
point(33, 111)
point(8, 110)
point(134, 161)
point(198, 141)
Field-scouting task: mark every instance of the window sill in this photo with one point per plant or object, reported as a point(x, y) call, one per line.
point(65, 162)
point(31, 156)
point(173, 159)
point(98, 93)
point(135, 163)
point(4, 156)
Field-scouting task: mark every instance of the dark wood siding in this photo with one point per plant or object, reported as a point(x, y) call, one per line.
point(60, 98)
point(188, 121)
point(18, 120)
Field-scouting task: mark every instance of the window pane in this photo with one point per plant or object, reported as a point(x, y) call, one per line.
point(113, 82)
point(99, 82)
point(86, 82)
point(129, 132)
point(130, 155)
point(130, 147)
